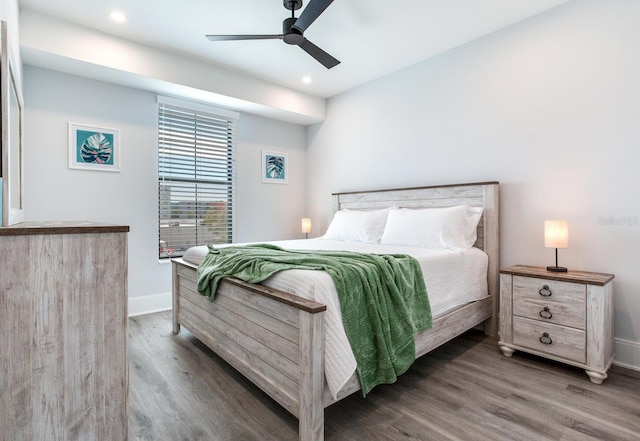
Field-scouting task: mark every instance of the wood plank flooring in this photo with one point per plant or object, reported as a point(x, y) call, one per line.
point(465, 390)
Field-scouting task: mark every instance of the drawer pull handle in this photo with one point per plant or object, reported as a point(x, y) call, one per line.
point(545, 339)
point(545, 291)
point(545, 313)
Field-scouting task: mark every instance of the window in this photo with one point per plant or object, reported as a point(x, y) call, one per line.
point(196, 184)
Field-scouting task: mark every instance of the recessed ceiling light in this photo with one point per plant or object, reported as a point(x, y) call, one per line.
point(307, 79)
point(118, 17)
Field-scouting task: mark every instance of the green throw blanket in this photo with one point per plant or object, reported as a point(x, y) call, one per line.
point(383, 298)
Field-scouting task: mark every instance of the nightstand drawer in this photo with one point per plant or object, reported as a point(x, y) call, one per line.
point(561, 341)
point(548, 311)
point(551, 290)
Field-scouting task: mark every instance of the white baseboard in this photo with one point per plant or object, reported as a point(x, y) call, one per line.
point(627, 354)
point(149, 304)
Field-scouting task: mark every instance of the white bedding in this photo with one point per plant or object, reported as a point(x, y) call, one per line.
point(452, 278)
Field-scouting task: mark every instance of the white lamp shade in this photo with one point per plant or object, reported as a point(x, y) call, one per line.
point(556, 233)
point(306, 225)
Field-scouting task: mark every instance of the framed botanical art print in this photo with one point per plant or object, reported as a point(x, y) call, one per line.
point(94, 148)
point(275, 167)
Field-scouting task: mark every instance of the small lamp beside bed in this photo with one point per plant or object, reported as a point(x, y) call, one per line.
point(306, 226)
point(556, 235)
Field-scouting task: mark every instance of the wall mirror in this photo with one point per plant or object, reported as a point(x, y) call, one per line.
point(11, 110)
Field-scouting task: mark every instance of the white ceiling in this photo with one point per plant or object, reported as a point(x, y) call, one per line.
point(371, 38)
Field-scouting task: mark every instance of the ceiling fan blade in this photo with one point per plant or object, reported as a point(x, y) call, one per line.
point(324, 58)
point(243, 37)
point(310, 13)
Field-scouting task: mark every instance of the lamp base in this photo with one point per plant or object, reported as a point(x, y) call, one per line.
point(557, 269)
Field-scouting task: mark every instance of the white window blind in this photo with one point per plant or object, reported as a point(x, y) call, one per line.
point(196, 184)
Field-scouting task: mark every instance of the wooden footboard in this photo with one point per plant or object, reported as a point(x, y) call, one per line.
point(273, 338)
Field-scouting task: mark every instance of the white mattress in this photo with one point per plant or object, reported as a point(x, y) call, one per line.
point(452, 279)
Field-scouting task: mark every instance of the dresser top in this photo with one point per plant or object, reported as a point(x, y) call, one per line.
point(80, 227)
point(570, 276)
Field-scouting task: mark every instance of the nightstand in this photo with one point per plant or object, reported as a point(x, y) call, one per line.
point(567, 317)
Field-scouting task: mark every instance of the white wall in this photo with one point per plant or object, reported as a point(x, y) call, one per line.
point(55, 192)
point(549, 107)
point(270, 211)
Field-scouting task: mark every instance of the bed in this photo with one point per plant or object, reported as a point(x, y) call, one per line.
point(277, 339)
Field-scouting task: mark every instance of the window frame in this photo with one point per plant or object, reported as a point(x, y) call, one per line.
point(203, 169)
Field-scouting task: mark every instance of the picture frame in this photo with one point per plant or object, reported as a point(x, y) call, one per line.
point(94, 148)
point(275, 167)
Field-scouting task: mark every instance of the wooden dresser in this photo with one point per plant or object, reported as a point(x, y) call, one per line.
point(63, 320)
point(566, 316)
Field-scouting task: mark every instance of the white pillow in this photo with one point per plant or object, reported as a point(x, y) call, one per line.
point(357, 225)
point(451, 227)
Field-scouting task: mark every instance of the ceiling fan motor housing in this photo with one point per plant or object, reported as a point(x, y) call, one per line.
point(292, 5)
point(291, 35)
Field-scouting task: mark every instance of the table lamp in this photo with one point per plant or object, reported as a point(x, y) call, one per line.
point(306, 226)
point(556, 235)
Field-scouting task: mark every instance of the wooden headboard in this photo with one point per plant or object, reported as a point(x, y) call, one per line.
point(481, 194)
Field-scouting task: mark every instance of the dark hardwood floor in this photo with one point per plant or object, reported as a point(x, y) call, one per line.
point(464, 390)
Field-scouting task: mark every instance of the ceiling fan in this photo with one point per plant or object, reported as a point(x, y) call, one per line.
point(293, 30)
